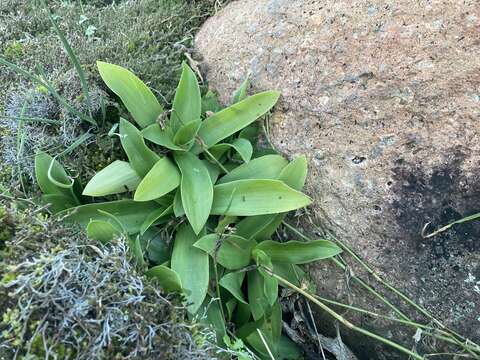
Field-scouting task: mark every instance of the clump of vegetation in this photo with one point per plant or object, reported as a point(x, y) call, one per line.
point(64, 297)
point(214, 198)
point(148, 36)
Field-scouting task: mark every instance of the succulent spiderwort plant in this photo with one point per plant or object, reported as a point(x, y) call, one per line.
point(200, 205)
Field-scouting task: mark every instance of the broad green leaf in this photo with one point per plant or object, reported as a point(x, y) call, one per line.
point(185, 136)
point(297, 252)
point(242, 314)
point(130, 214)
point(136, 250)
point(116, 178)
point(256, 295)
point(291, 272)
point(243, 148)
point(135, 95)
point(155, 246)
point(262, 227)
point(153, 217)
point(233, 283)
point(270, 284)
point(213, 170)
point(169, 280)
point(44, 164)
point(101, 230)
point(255, 227)
point(214, 317)
point(265, 167)
point(191, 265)
point(231, 305)
point(250, 132)
point(234, 118)
point(256, 197)
point(177, 204)
point(210, 103)
point(162, 137)
point(295, 173)
point(196, 189)
point(187, 103)
point(141, 158)
point(287, 349)
point(58, 202)
point(232, 252)
point(241, 93)
point(162, 178)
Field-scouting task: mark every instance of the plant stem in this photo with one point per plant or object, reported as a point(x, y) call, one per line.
point(217, 288)
point(341, 319)
point(357, 279)
point(448, 335)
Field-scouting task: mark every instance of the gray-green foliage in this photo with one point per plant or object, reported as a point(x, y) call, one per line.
point(187, 202)
point(62, 294)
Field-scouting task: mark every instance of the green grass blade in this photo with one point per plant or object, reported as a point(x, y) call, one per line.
point(73, 58)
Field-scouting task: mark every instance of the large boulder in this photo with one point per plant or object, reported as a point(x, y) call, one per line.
point(384, 98)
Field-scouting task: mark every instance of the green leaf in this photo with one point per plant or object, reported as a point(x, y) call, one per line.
point(241, 93)
point(169, 280)
point(288, 349)
point(291, 272)
point(155, 246)
point(177, 204)
point(242, 314)
point(297, 252)
point(234, 118)
point(213, 170)
point(250, 132)
point(210, 103)
point(265, 167)
point(256, 197)
point(214, 317)
point(191, 265)
point(256, 295)
point(136, 250)
point(295, 173)
point(162, 137)
point(130, 214)
point(187, 103)
point(233, 283)
point(241, 146)
point(262, 227)
point(141, 158)
point(231, 305)
point(258, 227)
point(232, 252)
point(135, 95)
point(58, 202)
point(196, 189)
point(45, 164)
point(162, 178)
point(101, 230)
point(116, 178)
point(270, 284)
point(154, 217)
point(73, 58)
point(185, 136)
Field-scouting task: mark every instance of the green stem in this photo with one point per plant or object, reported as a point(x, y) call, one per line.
point(217, 288)
point(355, 278)
point(452, 336)
point(341, 319)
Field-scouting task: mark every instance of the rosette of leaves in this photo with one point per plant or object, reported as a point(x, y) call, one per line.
point(200, 205)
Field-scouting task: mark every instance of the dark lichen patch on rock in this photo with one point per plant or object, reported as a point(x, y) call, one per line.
point(443, 195)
